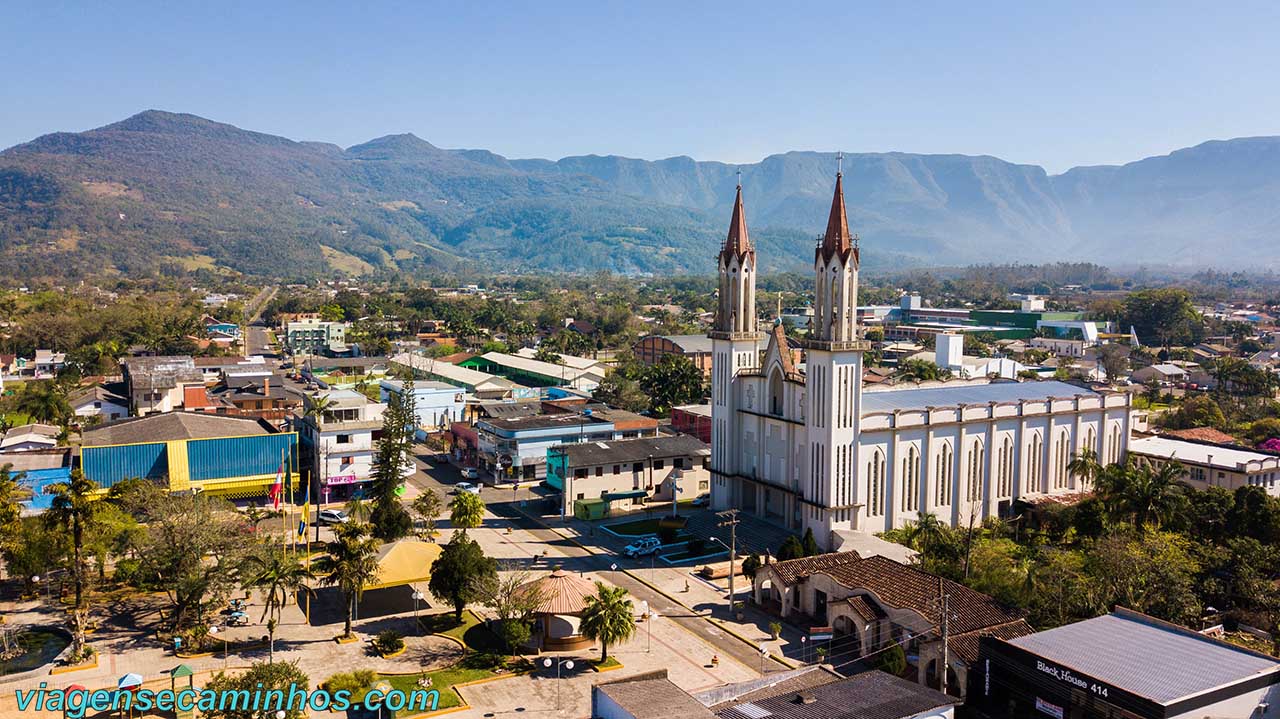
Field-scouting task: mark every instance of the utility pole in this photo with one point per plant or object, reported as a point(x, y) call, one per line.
point(730, 517)
point(944, 622)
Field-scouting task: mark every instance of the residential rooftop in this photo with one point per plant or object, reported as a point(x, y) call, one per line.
point(623, 451)
point(869, 695)
point(1209, 455)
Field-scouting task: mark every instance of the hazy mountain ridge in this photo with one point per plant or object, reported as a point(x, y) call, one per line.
point(165, 187)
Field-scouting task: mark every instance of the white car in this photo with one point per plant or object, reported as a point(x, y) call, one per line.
point(643, 547)
point(461, 487)
point(332, 516)
point(470, 473)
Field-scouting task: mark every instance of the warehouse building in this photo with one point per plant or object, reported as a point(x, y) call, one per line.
point(232, 457)
point(1124, 664)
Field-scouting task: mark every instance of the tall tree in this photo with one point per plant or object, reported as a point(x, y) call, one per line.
point(350, 562)
point(277, 575)
point(460, 572)
point(608, 618)
point(44, 401)
point(395, 447)
point(428, 507)
point(73, 509)
point(673, 381)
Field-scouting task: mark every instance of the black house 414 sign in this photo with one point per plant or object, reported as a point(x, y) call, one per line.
point(1066, 676)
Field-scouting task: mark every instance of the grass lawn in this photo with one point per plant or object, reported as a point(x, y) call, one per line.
point(606, 664)
point(474, 667)
point(471, 632)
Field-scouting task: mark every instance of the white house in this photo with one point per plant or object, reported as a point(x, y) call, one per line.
point(100, 402)
point(1211, 465)
point(338, 429)
point(436, 403)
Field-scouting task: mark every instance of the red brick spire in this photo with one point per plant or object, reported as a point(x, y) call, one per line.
point(837, 239)
point(737, 243)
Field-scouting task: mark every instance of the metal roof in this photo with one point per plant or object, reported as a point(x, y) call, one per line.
point(905, 399)
point(1159, 661)
point(1230, 458)
point(632, 450)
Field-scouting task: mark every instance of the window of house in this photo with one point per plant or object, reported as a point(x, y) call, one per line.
point(343, 439)
point(580, 473)
point(599, 471)
point(659, 464)
point(617, 469)
point(637, 467)
point(704, 486)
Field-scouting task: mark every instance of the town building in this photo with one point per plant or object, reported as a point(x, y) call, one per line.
point(313, 336)
point(873, 602)
point(1164, 373)
point(1211, 465)
point(252, 395)
point(694, 419)
point(48, 362)
point(437, 404)
point(633, 471)
point(231, 457)
point(162, 384)
point(808, 449)
point(1123, 664)
point(338, 429)
point(530, 372)
point(479, 384)
point(27, 437)
point(99, 401)
point(515, 448)
point(36, 471)
point(696, 348)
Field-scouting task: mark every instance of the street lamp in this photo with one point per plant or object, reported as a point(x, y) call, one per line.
point(764, 654)
point(417, 597)
point(648, 613)
point(215, 631)
point(567, 664)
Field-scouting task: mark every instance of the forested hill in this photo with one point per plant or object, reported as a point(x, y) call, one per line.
point(170, 190)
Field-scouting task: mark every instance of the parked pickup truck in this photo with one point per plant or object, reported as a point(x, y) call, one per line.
point(643, 547)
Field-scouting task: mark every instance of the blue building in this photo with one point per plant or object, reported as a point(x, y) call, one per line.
point(232, 457)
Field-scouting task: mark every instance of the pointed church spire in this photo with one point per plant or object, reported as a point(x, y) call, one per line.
point(737, 243)
point(837, 239)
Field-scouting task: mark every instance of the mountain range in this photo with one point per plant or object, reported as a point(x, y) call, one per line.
point(170, 191)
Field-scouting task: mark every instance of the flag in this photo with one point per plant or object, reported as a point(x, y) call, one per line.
point(306, 512)
point(277, 489)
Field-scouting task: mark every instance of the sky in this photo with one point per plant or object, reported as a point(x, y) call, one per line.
point(1057, 84)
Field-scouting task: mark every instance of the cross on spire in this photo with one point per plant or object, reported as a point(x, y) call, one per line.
point(739, 173)
point(840, 163)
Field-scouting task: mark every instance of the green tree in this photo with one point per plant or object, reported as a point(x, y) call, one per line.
point(428, 506)
point(751, 565)
point(277, 575)
point(11, 495)
point(44, 401)
point(673, 381)
point(791, 548)
point(350, 563)
point(73, 510)
point(608, 618)
point(1114, 359)
point(620, 389)
point(547, 353)
point(917, 370)
point(1085, 465)
point(265, 677)
point(391, 521)
point(1167, 314)
point(460, 572)
point(809, 544)
point(466, 511)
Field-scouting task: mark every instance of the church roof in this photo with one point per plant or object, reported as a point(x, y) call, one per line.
point(968, 393)
point(838, 240)
point(737, 243)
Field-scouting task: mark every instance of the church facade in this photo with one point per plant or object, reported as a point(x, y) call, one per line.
point(807, 448)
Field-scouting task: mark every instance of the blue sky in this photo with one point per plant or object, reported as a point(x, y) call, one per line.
point(1055, 84)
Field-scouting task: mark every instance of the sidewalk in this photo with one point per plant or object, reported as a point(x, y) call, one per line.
point(684, 586)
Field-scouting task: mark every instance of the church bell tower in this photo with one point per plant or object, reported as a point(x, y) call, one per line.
point(735, 346)
point(833, 381)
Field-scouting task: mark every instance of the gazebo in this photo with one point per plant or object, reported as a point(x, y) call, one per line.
point(562, 596)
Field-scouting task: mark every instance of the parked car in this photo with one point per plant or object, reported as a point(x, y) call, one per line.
point(702, 500)
point(332, 516)
point(470, 473)
point(643, 547)
point(461, 487)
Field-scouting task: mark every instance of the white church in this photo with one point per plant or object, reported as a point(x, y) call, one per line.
point(805, 447)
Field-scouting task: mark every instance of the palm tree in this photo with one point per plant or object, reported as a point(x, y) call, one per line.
point(44, 402)
point(73, 509)
point(1086, 466)
point(278, 575)
point(317, 407)
point(466, 511)
point(358, 510)
point(11, 493)
point(1155, 493)
point(608, 618)
point(926, 532)
point(350, 563)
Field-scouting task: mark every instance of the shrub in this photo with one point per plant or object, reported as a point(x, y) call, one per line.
point(388, 641)
point(750, 566)
point(667, 534)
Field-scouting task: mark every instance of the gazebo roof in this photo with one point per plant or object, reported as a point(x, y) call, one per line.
point(406, 561)
point(561, 592)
